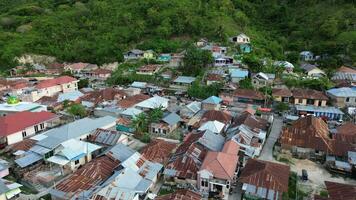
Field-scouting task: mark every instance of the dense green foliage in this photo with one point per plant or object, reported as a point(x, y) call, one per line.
point(98, 31)
point(196, 61)
point(321, 84)
point(77, 110)
point(246, 83)
point(204, 91)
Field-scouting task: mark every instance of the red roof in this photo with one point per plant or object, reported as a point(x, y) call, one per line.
point(309, 94)
point(340, 191)
point(13, 123)
point(221, 165)
point(101, 71)
point(249, 94)
point(132, 100)
point(266, 174)
point(218, 115)
point(56, 81)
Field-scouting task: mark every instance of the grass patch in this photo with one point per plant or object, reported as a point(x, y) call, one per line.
point(164, 191)
point(27, 190)
point(46, 197)
point(324, 193)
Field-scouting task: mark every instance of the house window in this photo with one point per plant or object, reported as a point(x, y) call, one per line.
point(36, 128)
point(24, 134)
point(42, 126)
point(76, 162)
point(347, 99)
point(204, 183)
point(68, 86)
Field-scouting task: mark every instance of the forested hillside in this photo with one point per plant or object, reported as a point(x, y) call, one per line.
point(98, 31)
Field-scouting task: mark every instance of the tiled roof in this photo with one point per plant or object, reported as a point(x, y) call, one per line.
point(182, 194)
point(283, 92)
point(11, 123)
point(309, 94)
point(217, 115)
point(90, 175)
point(231, 147)
point(248, 93)
point(266, 174)
point(158, 151)
point(132, 100)
point(308, 132)
point(56, 81)
point(221, 165)
point(346, 133)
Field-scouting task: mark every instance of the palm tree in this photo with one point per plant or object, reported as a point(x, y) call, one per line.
point(140, 124)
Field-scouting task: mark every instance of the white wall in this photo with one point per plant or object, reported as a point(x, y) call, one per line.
point(17, 137)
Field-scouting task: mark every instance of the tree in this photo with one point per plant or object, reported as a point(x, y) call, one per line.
point(139, 123)
point(83, 83)
point(202, 92)
point(155, 114)
point(77, 110)
point(246, 84)
point(195, 60)
point(281, 107)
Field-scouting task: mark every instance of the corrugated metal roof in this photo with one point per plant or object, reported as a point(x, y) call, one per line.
point(238, 73)
point(212, 141)
point(70, 96)
point(172, 119)
point(121, 152)
point(28, 159)
point(184, 79)
point(319, 109)
point(213, 100)
point(342, 92)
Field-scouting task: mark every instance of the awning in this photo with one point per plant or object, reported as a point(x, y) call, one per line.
point(40, 150)
point(28, 159)
point(12, 193)
point(58, 160)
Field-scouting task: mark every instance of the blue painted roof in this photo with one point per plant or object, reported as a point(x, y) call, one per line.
point(184, 79)
point(213, 100)
point(343, 92)
point(239, 73)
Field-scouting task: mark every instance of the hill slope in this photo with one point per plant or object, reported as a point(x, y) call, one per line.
point(98, 31)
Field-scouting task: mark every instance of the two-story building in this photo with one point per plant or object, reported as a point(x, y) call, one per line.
point(219, 170)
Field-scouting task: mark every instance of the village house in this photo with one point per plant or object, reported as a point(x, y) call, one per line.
point(211, 103)
point(213, 126)
point(337, 191)
point(75, 68)
point(248, 96)
point(213, 79)
point(148, 69)
point(166, 125)
point(345, 77)
point(263, 179)
point(188, 158)
point(51, 87)
point(240, 39)
point(182, 82)
point(281, 95)
point(222, 60)
point(288, 67)
point(306, 56)
point(153, 102)
point(202, 42)
point(219, 170)
point(164, 57)
point(238, 74)
point(12, 131)
point(103, 96)
point(312, 70)
point(342, 97)
point(72, 154)
point(262, 79)
point(133, 54)
point(249, 132)
point(135, 177)
point(159, 151)
point(218, 115)
point(176, 59)
point(309, 97)
point(99, 74)
point(49, 143)
point(327, 112)
point(309, 137)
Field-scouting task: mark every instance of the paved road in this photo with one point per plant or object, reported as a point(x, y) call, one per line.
point(267, 151)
